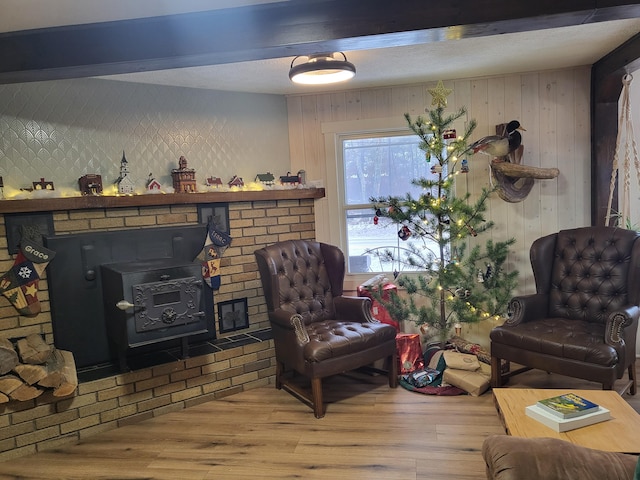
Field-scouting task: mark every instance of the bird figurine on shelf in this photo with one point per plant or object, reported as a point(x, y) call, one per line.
point(499, 145)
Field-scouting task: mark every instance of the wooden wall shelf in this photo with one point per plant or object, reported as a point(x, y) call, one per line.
point(104, 201)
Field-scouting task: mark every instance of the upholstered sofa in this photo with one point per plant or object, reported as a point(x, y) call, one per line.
point(515, 458)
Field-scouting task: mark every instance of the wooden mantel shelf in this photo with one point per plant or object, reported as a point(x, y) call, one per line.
point(104, 201)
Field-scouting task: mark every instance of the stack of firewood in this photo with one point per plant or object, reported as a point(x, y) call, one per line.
point(30, 367)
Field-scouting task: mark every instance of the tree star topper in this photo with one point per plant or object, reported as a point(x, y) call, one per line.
point(439, 94)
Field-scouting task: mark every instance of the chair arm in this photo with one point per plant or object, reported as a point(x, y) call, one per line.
point(290, 321)
point(354, 309)
point(617, 324)
point(526, 308)
point(282, 318)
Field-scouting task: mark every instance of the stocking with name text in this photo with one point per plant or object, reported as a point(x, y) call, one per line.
point(214, 246)
point(20, 283)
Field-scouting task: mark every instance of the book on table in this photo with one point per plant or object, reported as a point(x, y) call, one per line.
point(565, 424)
point(568, 405)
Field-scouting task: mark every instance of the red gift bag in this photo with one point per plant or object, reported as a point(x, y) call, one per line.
point(377, 309)
point(410, 356)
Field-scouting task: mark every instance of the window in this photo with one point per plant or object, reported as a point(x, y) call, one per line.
point(378, 165)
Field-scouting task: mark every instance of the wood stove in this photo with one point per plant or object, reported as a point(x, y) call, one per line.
point(152, 301)
point(94, 329)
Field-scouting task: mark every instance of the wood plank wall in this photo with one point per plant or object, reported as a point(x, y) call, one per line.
point(553, 106)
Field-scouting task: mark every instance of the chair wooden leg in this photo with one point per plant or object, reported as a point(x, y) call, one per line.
point(632, 377)
point(279, 373)
point(496, 373)
point(393, 370)
point(316, 394)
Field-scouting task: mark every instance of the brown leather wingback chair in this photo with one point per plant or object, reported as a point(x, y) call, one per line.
point(583, 320)
point(317, 331)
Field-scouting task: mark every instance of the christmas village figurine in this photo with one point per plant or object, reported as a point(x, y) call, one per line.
point(184, 178)
point(153, 185)
point(266, 179)
point(236, 181)
point(90, 184)
point(289, 179)
point(43, 185)
point(125, 183)
point(39, 186)
point(215, 182)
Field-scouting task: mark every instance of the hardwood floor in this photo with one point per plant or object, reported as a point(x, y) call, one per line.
point(369, 432)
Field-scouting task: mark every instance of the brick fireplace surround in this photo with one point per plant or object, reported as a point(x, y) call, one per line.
point(256, 219)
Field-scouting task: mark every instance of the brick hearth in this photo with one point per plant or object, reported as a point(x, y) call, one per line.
point(230, 364)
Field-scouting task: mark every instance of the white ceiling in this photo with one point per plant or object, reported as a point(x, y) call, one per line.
point(444, 59)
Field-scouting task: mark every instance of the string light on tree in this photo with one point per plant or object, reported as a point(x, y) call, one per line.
point(442, 226)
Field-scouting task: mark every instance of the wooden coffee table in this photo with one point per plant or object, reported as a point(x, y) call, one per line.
point(619, 434)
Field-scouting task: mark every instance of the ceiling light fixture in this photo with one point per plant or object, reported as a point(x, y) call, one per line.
point(321, 69)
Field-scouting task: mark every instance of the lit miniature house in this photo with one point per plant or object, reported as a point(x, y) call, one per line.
point(153, 185)
point(184, 178)
point(90, 184)
point(214, 182)
point(266, 178)
point(43, 185)
point(236, 181)
point(125, 183)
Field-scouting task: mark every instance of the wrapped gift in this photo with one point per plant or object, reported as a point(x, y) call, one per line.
point(473, 382)
point(377, 309)
point(461, 361)
point(410, 356)
point(483, 355)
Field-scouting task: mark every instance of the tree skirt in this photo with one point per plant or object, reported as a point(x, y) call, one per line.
point(444, 390)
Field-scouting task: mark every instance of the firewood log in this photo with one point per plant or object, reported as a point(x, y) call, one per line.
point(25, 392)
point(31, 374)
point(4, 398)
point(8, 383)
point(61, 373)
point(8, 356)
point(33, 349)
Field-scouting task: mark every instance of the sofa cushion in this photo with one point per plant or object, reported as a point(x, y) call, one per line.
point(515, 458)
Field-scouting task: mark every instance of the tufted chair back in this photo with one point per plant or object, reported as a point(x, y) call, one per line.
point(305, 278)
point(590, 274)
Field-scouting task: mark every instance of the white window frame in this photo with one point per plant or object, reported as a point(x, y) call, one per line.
point(330, 221)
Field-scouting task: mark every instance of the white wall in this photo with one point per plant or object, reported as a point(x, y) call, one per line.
point(61, 130)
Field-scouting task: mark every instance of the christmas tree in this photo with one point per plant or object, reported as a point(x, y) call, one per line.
point(458, 282)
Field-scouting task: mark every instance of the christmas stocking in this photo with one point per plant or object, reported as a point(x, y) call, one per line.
point(20, 284)
point(214, 246)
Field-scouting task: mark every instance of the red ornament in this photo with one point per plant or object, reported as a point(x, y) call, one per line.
point(449, 134)
point(404, 233)
point(375, 220)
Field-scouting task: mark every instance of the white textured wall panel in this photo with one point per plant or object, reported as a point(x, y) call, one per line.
point(62, 130)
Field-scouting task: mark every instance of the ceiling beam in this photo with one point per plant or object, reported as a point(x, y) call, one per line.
point(273, 30)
